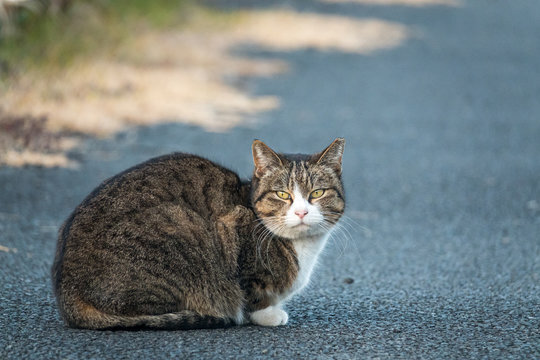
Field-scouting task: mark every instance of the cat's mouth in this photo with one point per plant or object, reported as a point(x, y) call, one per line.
point(299, 230)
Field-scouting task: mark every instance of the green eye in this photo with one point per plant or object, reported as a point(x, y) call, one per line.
point(316, 194)
point(283, 195)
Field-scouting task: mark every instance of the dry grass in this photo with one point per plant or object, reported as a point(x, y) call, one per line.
point(191, 75)
point(101, 98)
point(288, 30)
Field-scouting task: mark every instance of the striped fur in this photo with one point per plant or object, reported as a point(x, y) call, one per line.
point(179, 242)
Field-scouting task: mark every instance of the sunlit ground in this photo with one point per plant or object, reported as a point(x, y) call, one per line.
point(400, 2)
point(188, 75)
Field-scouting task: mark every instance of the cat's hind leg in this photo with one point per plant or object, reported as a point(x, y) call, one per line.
point(238, 216)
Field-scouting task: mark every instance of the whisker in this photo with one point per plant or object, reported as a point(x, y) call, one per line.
point(344, 229)
point(271, 226)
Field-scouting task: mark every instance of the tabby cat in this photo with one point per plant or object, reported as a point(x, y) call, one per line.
point(179, 242)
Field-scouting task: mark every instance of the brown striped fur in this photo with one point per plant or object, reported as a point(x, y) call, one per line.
point(173, 244)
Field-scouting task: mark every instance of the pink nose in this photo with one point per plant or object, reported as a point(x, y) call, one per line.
point(301, 213)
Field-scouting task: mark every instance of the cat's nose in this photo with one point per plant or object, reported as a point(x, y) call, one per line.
point(301, 213)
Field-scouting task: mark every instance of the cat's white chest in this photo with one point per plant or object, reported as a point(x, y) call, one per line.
point(307, 252)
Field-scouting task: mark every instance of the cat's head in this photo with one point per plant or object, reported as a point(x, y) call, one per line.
point(298, 196)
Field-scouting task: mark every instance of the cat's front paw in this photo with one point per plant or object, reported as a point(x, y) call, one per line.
point(270, 316)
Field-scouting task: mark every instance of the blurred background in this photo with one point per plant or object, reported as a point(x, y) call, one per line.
point(75, 68)
point(438, 255)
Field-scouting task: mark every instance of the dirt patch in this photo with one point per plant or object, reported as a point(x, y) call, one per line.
point(417, 3)
point(27, 141)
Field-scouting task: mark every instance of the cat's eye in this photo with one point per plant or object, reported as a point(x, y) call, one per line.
point(316, 194)
point(283, 195)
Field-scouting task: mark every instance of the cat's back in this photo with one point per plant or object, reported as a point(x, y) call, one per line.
point(177, 196)
point(186, 179)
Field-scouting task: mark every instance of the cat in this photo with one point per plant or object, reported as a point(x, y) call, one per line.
point(179, 242)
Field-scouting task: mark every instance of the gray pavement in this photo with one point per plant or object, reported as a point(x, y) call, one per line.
point(442, 171)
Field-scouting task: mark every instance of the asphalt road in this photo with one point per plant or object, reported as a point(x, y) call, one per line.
point(441, 258)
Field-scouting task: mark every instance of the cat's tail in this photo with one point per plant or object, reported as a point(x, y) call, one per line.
point(86, 316)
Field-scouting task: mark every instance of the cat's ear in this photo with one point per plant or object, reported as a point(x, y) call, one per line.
point(265, 159)
point(332, 155)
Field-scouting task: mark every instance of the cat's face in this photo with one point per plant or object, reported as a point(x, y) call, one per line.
point(298, 196)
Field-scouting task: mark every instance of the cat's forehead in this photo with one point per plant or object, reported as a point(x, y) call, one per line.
point(304, 174)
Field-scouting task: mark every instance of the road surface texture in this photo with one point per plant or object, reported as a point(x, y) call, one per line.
point(440, 257)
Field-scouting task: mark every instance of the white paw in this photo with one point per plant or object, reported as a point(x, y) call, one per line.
point(270, 316)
